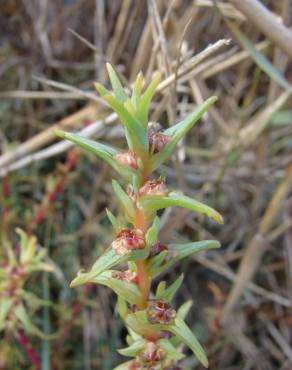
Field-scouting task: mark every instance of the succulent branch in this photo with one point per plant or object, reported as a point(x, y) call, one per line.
point(155, 327)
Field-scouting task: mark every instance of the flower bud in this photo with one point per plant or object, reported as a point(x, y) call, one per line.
point(158, 141)
point(127, 276)
point(160, 312)
point(134, 365)
point(153, 187)
point(151, 355)
point(158, 248)
point(128, 158)
point(128, 240)
point(131, 193)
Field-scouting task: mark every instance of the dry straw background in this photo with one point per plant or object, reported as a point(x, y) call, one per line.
point(237, 159)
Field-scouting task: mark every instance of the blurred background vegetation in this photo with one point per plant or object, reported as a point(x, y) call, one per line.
point(237, 159)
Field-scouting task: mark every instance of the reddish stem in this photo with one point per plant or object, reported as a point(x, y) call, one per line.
point(28, 349)
point(144, 282)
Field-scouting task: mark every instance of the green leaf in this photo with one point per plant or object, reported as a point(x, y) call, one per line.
point(151, 204)
point(116, 84)
point(22, 315)
point(179, 251)
point(184, 309)
point(152, 233)
point(5, 305)
point(181, 330)
point(104, 152)
point(106, 261)
point(130, 107)
point(122, 307)
point(160, 288)
point(33, 301)
point(171, 351)
point(138, 85)
point(128, 291)
point(139, 323)
point(156, 261)
point(133, 350)
point(114, 221)
point(143, 108)
point(124, 366)
point(124, 199)
point(186, 249)
point(178, 131)
point(169, 293)
point(101, 89)
point(136, 134)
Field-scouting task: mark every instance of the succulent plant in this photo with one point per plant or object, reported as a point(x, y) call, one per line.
point(17, 304)
point(155, 327)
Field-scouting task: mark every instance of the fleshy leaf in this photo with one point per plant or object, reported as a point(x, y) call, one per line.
point(136, 134)
point(172, 352)
point(116, 84)
point(152, 233)
point(160, 289)
point(114, 221)
point(138, 86)
point(139, 323)
point(169, 292)
point(122, 307)
point(106, 261)
point(179, 252)
point(128, 291)
point(151, 204)
point(185, 249)
point(29, 327)
point(101, 89)
point(178, 131)
point(156, 261)
point(181, 330)
point(5, 306)
point(133, 349)
point(124, 199)
point(143, 108)
point(124, 366)
point(184, 309)
point(104, 152)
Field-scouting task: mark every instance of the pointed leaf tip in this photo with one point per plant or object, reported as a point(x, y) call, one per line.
point(60, 133)
point(153, 203)
point(119, 91)
point(101, 89)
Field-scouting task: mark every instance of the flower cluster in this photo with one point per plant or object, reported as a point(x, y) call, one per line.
point(155, 328)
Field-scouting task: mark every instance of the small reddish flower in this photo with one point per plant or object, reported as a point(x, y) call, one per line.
point(158, 141)
point(128, 276)
point(134, 365)
point(128, 158)
point(151, 355)
point(160, 312)
point(128, 240)
point(153, 187)
point(158, 248)
point(131, 193)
